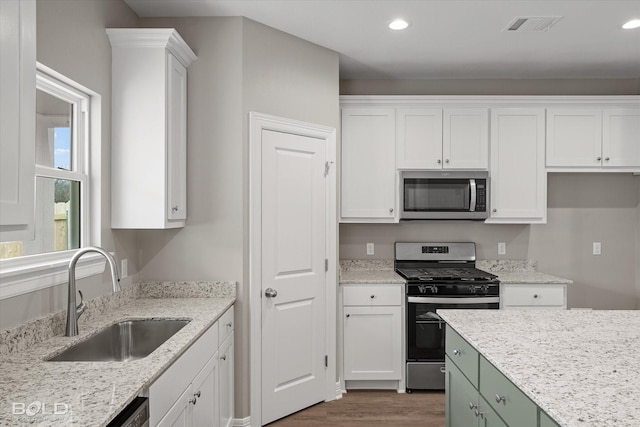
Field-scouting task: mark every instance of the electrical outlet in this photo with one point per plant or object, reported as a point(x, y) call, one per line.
point(502, 248)
point(370, 249)
point(597, 248)
point(124, 268)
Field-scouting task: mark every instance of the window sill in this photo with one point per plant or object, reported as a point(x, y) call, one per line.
point(32, 273)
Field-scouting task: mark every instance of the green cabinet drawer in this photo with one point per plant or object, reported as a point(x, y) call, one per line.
point(462, 354)
point(488, 417)
point(461, 398)
point(546, 421)
point(513, 406)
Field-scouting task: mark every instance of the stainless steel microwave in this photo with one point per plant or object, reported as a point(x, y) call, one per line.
point(444, 195)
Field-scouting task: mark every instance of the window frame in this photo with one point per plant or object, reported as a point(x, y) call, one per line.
point(30, 273)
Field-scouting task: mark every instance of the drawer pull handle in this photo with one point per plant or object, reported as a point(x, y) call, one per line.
point(501, 399)
point(348, 315)
point(535, 295)
point(373, 296)
point(478, 413)
point(473, 406)
point(457, 352)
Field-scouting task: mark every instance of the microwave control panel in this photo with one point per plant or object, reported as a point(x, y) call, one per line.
point(481, 196)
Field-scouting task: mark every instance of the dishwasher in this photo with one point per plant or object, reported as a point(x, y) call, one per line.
point(134, 415)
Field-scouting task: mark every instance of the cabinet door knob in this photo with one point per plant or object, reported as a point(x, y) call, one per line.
point(494, 210)
point(446, 161)
point(439, 161)
point(599, 158)
point(535, 295)
point(175, 208)
point(457, 352)
point(501, 399)
point(391, 210)
point(224, 357)
point(348, 315)
point(193, 401)
point(373, 296)
point(229, 325)
point(270, 293)
point(472, 406)
point(606, 159)
point(197, 394)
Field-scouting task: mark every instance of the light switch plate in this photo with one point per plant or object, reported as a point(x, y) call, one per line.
point(370, 249)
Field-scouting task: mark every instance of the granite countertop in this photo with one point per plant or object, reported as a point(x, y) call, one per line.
point(368, 271)
point(581, 367)
point(93, 393)
point(519, 272)
point(508, 271)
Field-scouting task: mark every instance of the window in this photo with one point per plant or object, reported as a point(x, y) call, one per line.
point(62, 187)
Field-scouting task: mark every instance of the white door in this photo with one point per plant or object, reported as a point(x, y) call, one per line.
point(293, 273)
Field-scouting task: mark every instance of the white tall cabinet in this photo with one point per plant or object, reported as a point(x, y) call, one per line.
point(368, 165)
point(149, 128)
point(17, 118)
point(518, 176)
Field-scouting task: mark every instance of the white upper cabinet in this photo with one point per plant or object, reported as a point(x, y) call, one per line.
point(419, 138)
point(17, 118)
point(449, 138)
point(621, 138)
point(593, 138)
point(149, 128)
point(368, 165)
point(518, 176)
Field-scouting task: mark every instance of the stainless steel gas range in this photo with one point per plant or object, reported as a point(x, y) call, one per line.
point(439, 276)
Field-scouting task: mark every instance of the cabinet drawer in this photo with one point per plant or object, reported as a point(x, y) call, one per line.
point(462, 354)
point(170, 385)
point(506, 399)
point(372, 295)
point(225, 324)
point(533, 296)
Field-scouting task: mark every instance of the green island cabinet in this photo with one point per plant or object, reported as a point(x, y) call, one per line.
point(479, 395)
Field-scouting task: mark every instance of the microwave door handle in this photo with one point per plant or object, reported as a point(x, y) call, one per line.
point(472, 204)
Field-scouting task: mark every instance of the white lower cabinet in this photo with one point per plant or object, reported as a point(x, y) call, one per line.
point(372, 332)
point(197, 390)
point(541, 296)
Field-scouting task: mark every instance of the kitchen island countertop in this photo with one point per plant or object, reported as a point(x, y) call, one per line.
point(36, 392)
point(580, 367)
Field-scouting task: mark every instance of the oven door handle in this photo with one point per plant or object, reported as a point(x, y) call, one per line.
point(445, 300)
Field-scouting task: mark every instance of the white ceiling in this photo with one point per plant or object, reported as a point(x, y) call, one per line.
point(447, 38)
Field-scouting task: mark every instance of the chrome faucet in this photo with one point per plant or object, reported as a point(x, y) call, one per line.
point(73, 312)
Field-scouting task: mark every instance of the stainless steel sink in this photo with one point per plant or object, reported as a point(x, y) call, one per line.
point(122, 341)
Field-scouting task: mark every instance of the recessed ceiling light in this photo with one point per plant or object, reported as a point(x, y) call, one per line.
point(634, 23)
point(398, 24)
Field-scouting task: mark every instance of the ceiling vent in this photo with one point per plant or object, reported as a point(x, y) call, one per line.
point(532, 24)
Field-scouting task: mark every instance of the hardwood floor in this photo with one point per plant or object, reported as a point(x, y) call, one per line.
point(384, 408)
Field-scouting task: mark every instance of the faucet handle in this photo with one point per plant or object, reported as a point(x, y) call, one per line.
point(81, 307)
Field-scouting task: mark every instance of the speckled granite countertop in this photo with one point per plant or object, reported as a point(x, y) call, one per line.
point(368, 271)
point(93, 393)
point(519, 272)
point(508, 271)
point(581, 367)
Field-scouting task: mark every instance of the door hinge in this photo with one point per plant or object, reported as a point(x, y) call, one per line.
point(326, 264)
point(326, 361)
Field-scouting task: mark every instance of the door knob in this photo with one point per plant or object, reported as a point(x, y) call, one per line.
point(270, 293)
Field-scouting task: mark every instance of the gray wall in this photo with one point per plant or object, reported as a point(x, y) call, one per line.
point(582, 208)
point(242, 66)
point(84, 55)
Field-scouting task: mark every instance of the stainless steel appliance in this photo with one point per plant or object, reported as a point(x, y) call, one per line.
point(134, 415)
point(439, 276)
point(444, 195)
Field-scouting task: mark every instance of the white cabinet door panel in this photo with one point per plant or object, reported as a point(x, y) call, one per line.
point(372, 343)
point(574, 137)
point(419, 138)
point(518, 176)
point(621, 138)
point(368, 164)
point(17, 118)
point(466, 138)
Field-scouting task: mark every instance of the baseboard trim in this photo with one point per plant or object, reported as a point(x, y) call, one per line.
point(242, 422)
